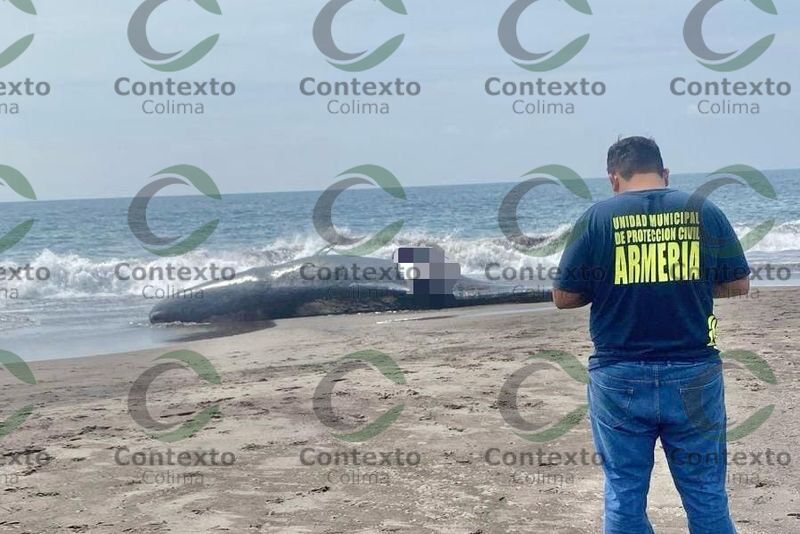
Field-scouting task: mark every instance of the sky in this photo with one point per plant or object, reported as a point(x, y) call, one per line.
point(85, 141)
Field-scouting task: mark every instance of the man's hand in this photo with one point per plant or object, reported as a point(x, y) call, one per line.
point(564, 299)
point(736, 288)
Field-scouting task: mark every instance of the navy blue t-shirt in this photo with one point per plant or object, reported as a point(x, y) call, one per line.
point(648, 260)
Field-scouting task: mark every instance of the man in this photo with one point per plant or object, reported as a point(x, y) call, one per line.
point(650, 260)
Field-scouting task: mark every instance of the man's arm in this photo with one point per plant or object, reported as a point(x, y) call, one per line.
point(731, 276)
point(567, 299)
point(571, 286)
point(726, 290)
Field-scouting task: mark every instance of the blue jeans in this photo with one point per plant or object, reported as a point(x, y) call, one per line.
point(683, 403)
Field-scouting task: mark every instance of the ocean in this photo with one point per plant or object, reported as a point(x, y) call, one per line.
point(66, 289)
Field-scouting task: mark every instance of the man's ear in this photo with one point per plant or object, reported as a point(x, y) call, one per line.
point(666, 177)
point(614, 183)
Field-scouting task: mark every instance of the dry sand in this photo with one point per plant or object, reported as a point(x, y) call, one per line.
point(60, 472)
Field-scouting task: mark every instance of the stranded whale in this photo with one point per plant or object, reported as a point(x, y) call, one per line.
point(326, 285)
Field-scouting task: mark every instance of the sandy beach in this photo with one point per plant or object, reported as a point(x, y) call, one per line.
point(449, 462)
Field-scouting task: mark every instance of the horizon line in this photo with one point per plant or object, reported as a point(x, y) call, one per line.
point(421, 186)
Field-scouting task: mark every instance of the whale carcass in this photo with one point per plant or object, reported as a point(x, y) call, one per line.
point(326, 285)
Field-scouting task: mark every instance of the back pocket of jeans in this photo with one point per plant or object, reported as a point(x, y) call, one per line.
point(609, 405)
point(704, 405)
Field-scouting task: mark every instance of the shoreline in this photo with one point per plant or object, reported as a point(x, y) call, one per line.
point(163, 336)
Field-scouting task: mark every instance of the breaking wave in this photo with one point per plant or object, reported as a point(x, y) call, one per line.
point(75, 276)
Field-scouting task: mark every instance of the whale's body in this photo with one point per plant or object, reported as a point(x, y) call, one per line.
point(324, 285)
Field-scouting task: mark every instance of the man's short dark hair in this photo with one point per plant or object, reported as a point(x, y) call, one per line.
point(634, 155)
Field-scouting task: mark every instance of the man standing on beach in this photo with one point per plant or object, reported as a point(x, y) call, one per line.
point(650, 260)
